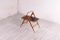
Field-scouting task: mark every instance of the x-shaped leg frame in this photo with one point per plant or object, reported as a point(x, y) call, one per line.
point(30, 24)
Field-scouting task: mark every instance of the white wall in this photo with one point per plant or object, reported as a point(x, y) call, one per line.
point(7, 8)
point(45, 9)
point(52, 10)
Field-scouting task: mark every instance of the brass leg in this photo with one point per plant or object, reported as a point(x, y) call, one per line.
point(38, 24)
point(22, 23)
point(31, 26)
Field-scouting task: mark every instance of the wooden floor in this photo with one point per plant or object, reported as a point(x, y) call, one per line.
point(10, 30)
